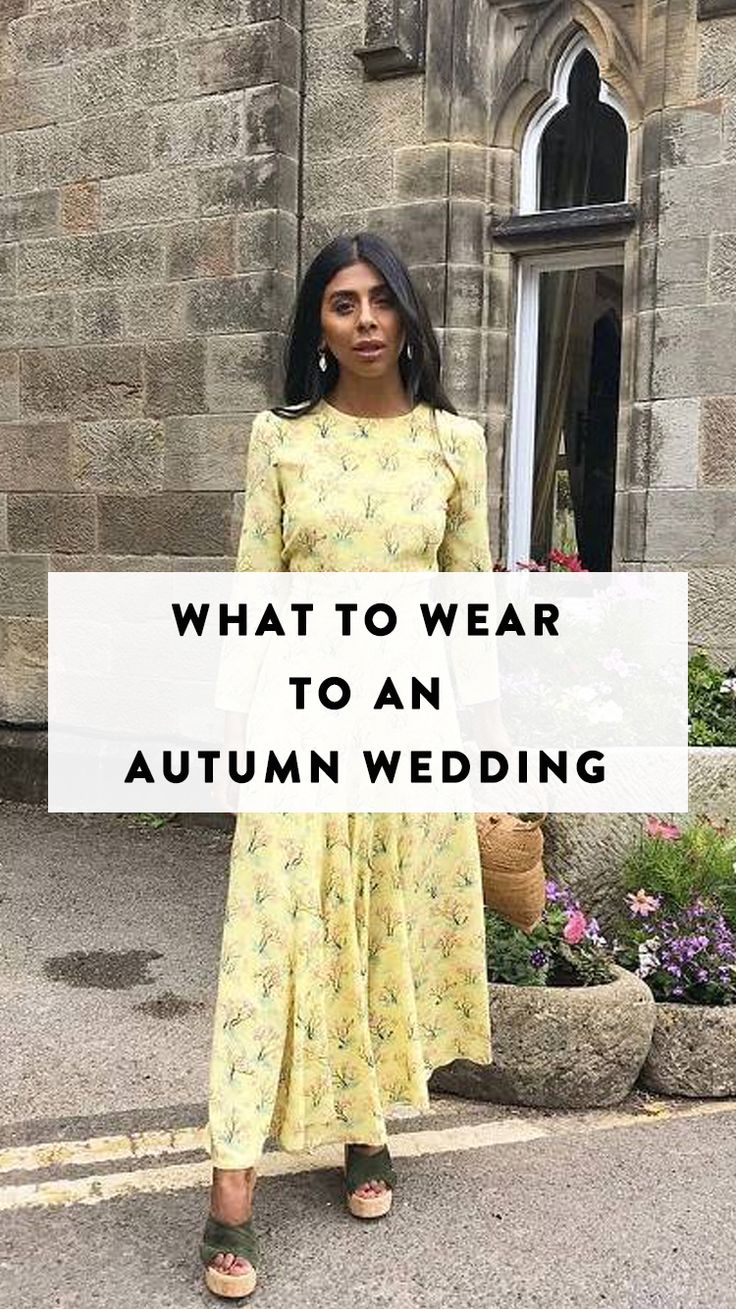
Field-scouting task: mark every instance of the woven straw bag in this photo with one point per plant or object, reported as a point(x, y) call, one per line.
point(511, 864)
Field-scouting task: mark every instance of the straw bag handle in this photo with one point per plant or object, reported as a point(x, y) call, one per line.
point(531, 824)
point(526, 824)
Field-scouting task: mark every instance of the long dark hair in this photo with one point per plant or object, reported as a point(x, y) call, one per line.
point(304, 382)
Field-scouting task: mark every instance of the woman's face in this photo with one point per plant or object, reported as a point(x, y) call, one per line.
point(358, 309)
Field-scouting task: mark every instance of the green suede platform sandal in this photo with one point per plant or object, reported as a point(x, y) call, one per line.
point(360, 1168)
point(221, 1238)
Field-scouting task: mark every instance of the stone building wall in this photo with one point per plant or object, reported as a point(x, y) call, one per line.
point(169, 167)
point(406, 157)
point(148, 250)
point(687, 359)
point(432, 160)
point(673, 65)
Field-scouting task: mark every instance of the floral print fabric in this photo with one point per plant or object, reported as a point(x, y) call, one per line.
point(353, 948)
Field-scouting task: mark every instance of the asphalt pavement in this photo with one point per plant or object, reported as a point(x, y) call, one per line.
point(110, 940)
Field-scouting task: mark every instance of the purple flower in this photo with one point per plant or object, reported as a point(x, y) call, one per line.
point(594, 933)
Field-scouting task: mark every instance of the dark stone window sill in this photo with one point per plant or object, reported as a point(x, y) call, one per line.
point(716, 8)
point(564, 226)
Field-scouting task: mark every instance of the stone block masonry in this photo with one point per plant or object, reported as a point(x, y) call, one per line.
point(168, 168)
point(147, 203)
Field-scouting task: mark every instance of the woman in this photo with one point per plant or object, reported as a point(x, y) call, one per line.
point(353, 952)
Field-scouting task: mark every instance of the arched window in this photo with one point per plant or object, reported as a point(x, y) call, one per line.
point(582, 157)
point(569, 240)
point(575, 148)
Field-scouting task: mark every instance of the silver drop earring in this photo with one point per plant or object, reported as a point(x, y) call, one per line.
point(322, 360)
point(408, 350)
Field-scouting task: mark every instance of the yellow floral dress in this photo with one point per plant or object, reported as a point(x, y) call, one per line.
point(353, 948)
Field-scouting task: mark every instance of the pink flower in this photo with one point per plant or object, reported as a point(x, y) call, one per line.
point(569, 562)
point(641, 903)
point(574, 929)
point(667, 831)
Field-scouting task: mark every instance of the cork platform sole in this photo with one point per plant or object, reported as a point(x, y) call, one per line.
point(360, 1168)
point(229, 1286)
point(235, 1239)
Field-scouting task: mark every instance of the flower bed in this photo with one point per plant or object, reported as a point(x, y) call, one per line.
point(680, 936)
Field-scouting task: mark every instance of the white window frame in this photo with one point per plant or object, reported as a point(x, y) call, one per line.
point(531, 155)
point(530, 268)
point(524, 410)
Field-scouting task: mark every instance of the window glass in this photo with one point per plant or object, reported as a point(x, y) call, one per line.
point(583, 150)
point(579, 361)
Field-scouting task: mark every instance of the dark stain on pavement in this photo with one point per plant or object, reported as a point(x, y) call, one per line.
point(168, 1005)
point(110, 970)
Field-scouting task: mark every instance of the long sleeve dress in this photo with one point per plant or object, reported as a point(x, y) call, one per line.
point(353, 948)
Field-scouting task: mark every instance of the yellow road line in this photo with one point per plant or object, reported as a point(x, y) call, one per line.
point(471, 1136)
point(129, 1145)
point(99, 1149)
point(92, 1190)
point(180, 1177)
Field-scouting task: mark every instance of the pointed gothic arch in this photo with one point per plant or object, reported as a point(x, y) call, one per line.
point(606, 103)
point(529, 79)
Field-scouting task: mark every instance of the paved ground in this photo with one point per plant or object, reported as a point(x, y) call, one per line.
point(109, 955)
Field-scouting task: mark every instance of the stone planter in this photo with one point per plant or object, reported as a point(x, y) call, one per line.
point(559, 1046)
point(693, 1050)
